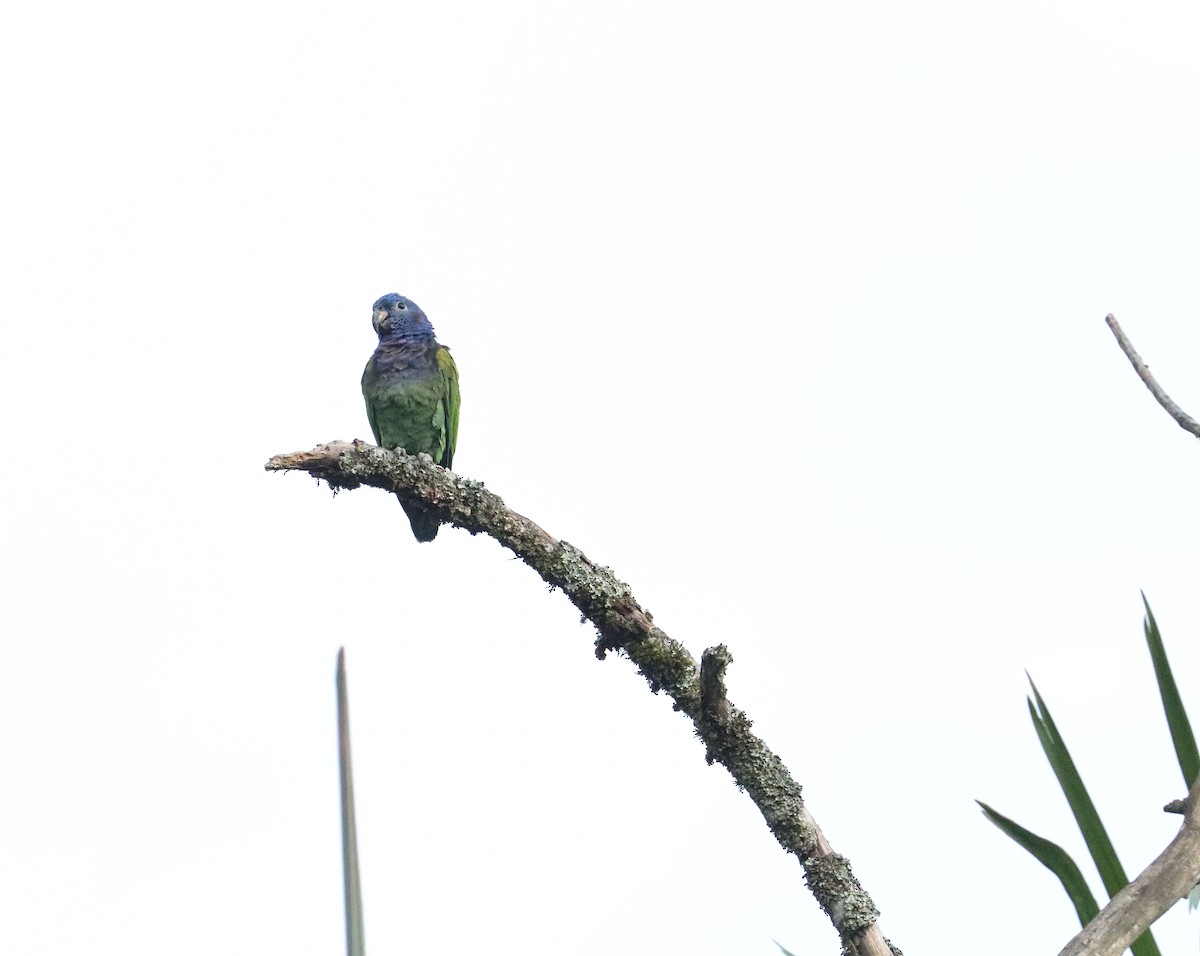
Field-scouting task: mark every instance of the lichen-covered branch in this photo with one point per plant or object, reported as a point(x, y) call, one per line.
point(1182, 418)
point(623, 626)
point(1159, 887)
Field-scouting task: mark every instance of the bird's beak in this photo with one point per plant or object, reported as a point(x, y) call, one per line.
point(378, 317)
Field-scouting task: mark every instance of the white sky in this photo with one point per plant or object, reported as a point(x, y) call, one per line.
point(792, 314)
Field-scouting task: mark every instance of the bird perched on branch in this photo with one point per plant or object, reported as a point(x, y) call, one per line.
point(411, 388)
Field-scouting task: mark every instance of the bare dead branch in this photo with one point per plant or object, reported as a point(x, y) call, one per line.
point(1184, 420)
point(1159, 887)
point(623, 626)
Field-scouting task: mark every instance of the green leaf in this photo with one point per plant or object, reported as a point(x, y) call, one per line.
point(355, 939)
point(781, 949)
point(1177, 718)
point(1103, 853)
point(1054, 858)
point(1112, 874)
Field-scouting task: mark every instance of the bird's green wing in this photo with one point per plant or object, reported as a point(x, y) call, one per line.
point(450, 402)
point(368, 379)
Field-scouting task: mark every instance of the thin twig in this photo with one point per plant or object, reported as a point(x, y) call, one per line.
point(1185, 421)
point(624, 627)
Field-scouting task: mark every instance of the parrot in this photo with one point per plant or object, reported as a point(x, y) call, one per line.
point(410, 386)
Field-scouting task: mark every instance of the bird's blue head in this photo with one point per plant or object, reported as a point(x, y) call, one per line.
point(397, 319)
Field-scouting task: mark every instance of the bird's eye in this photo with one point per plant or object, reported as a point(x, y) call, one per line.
point(401, 306)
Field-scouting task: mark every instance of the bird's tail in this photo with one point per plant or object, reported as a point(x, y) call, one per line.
point(424, 523)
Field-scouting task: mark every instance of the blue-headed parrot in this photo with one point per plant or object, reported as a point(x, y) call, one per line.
point(411, 388)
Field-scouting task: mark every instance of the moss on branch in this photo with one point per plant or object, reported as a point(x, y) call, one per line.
point(623, 626)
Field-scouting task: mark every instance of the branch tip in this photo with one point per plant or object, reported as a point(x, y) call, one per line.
point(1182, 419)
point(714, 704)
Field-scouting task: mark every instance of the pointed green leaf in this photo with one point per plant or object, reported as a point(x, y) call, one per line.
point(1177, 718)
point(355, 939)
point(1103, 853)
point(1112, 874)
point(781, 949)
point(1055, 859)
